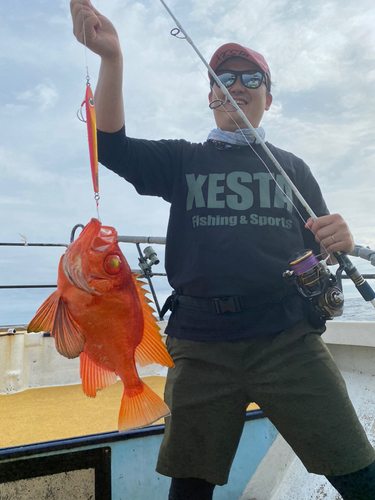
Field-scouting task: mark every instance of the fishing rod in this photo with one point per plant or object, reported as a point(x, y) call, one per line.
point(343, 260)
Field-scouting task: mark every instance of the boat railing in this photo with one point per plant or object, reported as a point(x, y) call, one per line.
point(148, 258)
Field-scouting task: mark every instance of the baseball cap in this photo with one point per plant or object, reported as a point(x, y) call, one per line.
point(235, 50)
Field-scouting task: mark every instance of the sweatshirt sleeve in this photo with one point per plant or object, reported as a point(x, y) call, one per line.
point(151, 166)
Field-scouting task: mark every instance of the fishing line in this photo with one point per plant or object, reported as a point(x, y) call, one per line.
point(345, 264)
point(90, 121)
point(267, 168)
point(176, 33)
point(85, 45)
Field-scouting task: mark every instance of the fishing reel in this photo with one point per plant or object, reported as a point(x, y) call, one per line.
point(315, 281)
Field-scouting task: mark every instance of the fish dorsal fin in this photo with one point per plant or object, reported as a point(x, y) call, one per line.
point(151, 349)
point(44, 317)
point(69, 338)
point(94, 377)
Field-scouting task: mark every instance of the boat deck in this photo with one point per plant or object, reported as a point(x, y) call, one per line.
point(53, 413)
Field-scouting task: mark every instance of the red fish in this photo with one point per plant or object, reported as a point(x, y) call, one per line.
point(100, 313)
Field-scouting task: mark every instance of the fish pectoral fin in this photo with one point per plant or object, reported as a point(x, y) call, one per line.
point(141, 409)
point(44, 317)
point(151, 349)
point(94, 377)
point(69, 337)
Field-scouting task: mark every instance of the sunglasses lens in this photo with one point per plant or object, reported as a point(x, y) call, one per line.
point(252, 81)
point(227, 79)
point(249, 80)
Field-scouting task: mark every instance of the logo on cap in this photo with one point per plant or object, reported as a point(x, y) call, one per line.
point(231, 53)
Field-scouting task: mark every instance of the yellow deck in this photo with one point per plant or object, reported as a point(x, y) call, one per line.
point(51, 413)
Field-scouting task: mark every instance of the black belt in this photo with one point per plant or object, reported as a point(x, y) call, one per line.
point(221, 305)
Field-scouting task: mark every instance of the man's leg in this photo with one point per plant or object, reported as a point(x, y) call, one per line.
point(359, 485)
point(190, 489)
point(205, 395)
point(297, 384)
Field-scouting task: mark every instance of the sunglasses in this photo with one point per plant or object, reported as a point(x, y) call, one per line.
point(250, 80)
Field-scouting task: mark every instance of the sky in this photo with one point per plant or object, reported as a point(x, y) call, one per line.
point(322, 59)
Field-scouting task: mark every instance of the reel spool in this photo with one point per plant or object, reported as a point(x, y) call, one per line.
point(315, 281)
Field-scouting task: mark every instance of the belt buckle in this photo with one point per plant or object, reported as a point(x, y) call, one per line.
point(227, 304)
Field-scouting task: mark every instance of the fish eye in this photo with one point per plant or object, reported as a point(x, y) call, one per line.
point(112, 264)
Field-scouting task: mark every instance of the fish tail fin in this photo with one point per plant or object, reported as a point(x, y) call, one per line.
point(151, 349)
point(140, 410)
point(94, 377)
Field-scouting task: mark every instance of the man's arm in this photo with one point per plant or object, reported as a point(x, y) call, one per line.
point(101, 37)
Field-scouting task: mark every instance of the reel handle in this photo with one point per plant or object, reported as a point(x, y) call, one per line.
point(359, 281)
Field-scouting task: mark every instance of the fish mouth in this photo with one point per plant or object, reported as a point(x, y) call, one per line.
point(94, 239)
point(105, 239)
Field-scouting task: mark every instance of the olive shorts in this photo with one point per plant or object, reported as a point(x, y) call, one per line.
point(294, 380)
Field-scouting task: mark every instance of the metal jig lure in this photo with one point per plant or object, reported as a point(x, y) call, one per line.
point(90, 120)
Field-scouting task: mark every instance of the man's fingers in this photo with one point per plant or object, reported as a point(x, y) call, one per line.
point(332, 244)
point(332, 232)
point(85, 18)
point(77, 5)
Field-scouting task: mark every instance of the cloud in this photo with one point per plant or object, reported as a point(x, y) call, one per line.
point(305, 43)
point(12, 200)
point(18, 166)
point(43, 95)
point(323, 106)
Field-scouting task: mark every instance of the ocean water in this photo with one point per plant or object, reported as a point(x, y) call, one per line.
point(34, 265)
point(357, 309)
point(18, 306)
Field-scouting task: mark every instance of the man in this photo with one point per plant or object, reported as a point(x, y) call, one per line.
point(237, 333)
